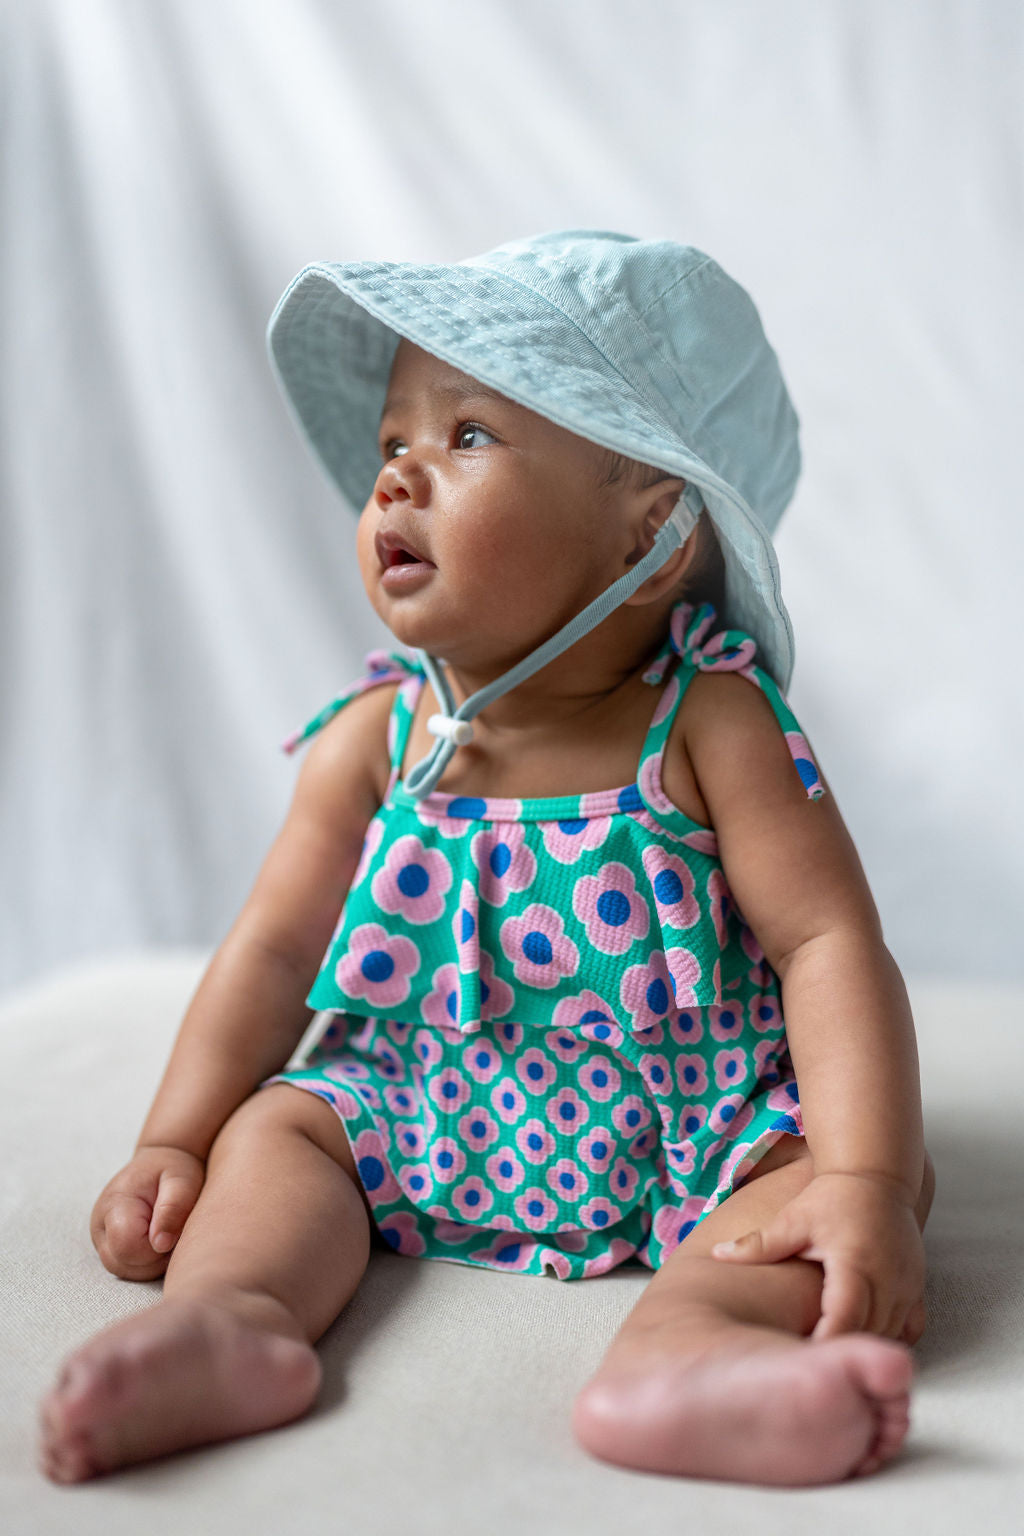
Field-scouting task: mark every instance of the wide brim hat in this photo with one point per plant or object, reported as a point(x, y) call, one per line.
point(645, 347)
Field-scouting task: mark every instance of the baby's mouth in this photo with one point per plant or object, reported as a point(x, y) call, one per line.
point(393, 551)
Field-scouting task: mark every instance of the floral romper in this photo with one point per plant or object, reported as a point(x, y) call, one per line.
point(553, 1040)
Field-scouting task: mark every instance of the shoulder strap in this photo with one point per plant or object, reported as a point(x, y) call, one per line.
point(381, 667)
point(701, 648)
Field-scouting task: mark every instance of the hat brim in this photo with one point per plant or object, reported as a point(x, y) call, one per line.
point(332, 339)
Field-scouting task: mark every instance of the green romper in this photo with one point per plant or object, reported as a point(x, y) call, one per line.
point(553, 1040)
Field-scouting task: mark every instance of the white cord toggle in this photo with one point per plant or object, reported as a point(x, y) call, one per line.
point(458, 731)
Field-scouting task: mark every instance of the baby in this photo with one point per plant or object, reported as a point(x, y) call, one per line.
point(607, 982)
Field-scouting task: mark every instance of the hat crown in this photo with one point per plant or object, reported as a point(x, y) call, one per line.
point(685, 336)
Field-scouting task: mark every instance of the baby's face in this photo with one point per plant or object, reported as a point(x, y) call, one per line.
point(502, 507)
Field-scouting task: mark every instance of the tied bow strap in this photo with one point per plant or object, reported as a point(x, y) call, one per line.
point(728, 650)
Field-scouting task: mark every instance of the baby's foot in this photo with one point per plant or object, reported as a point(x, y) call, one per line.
point(182, 1373)
point(750, 1406)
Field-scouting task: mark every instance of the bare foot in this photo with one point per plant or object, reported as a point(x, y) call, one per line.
point(185, 1372)
point(749, 1405)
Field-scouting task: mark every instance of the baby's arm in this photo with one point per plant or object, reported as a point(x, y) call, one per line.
point(795, 875)
point(248, 1012)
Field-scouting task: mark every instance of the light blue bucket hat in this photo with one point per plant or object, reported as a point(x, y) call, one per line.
point(645, 347)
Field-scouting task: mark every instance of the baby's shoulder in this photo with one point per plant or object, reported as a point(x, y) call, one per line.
point(724, 729)
point(355, 740)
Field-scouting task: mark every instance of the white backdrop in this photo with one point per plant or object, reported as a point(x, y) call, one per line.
point(177, 581)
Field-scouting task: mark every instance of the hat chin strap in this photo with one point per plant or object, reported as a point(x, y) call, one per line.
point(453, 728)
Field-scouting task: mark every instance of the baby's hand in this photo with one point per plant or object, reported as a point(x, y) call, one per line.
point(863, 1230)
point(139, 1216)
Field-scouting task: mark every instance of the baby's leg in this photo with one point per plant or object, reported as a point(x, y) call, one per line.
point(273, 1249)
point(712, 1374)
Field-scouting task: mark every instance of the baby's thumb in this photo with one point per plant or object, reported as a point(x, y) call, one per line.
point(175, 1197)
point(763, 1246)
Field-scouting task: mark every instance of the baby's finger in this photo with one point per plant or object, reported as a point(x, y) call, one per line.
point(175, 1199)
point(845, 1302)
point(781, 1239)
point(125, 1228)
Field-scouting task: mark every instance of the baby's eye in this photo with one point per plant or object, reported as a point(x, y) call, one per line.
point(468, 427)
point(393, 448)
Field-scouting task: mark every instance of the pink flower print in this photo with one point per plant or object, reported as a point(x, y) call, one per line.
point(684, 969)
point(625, 1177)
point(505, 861)
point(535, 1141)
point(478, 1128)
point(535, 1209)
point(441, 1006)
point(508, 1099)
point(401, 1232)
point(651, 1034)
point(496, 996)
point(397, 1030)
point(611, 908)
point(751, 948)
point(803, 758)
point(535, 1070)
point(718, 895)
point(681, 1160)
point(400, 1101)
point(413, 881)
point(567, 1112)
point(597, 1148)
point(431, 812)
point(427, 1048)
point(691, 1075)
point(666, 702)
point(673, 886)
point(377, 966)
point(410, 1138)
point(555, 1264)
point(766, 1061)
point(472, 1198)
point(674, 1222)
point(598, 1215)
point(725, 1021)
point(652, 789)
point(513, 1253)
point(563, 1046)
point(567, 1179)
point(765, 1014)
point(449, 1089)
point(692, 1119)
point(656, 1072)
point(725, 1111)
point(687, 1028)
point(509, 1037)
point(464, 928)
point(730, 1067)
point(373, 1168)
point(453, 1232)
point(481, 1059)
point(416, 1180)
point(537, 944)
point(447, 1159)
point(505, 1170)
point(371, 842)
point(589, 1014)
point(631, 1114)
point(389, 1062)
point(599, 1079)
point(565, 840)
point(647, 991)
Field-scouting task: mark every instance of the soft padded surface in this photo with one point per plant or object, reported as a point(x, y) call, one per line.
point(447, 1391)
